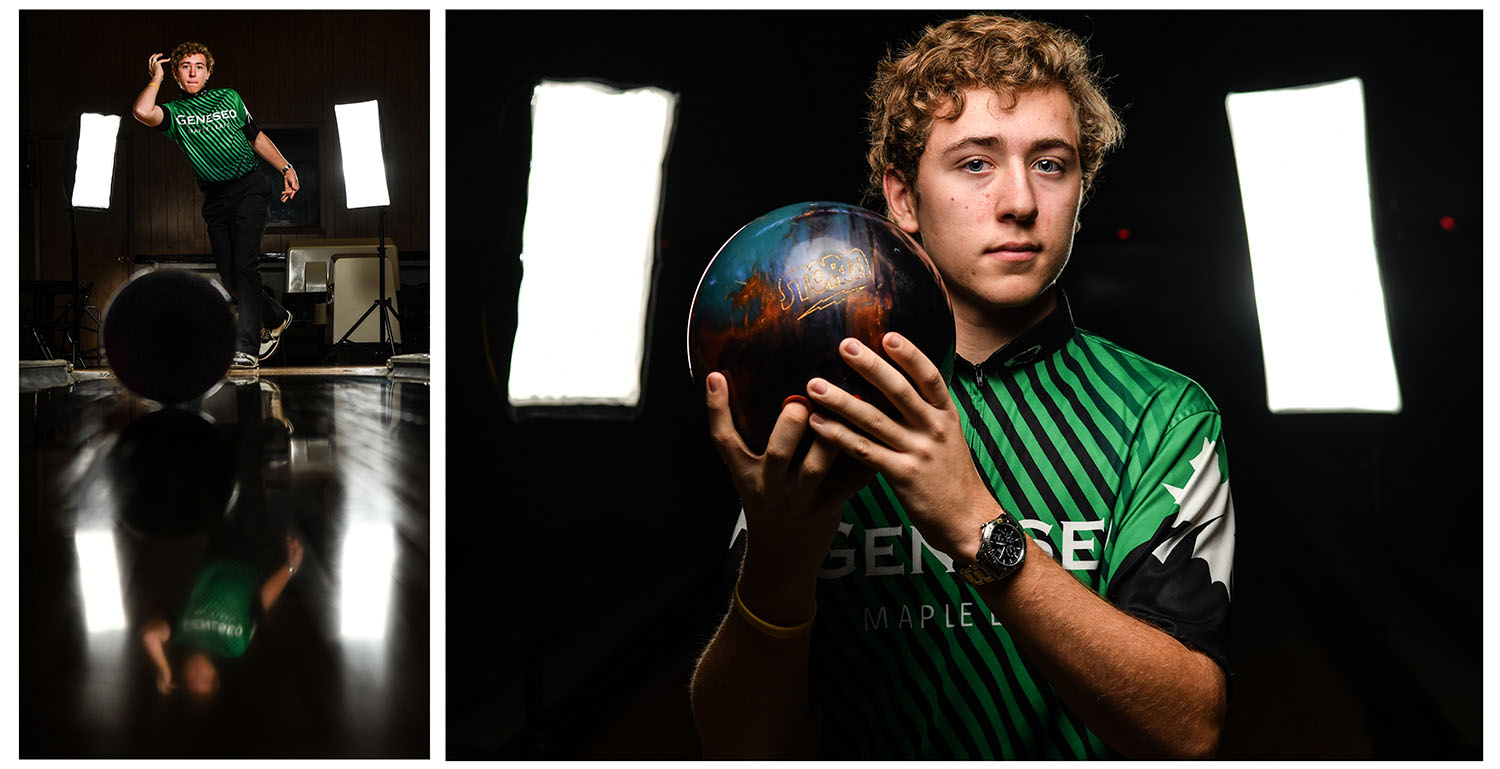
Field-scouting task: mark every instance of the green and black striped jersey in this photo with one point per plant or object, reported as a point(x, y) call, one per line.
point(1114, 465)
point(214, 129)
point(221, 609)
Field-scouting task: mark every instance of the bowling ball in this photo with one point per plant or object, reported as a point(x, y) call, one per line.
point(782, 294)
point(169, 335)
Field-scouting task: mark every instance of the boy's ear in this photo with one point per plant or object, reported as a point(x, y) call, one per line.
point(900, 200)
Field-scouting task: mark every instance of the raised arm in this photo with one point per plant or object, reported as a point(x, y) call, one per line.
point(749, 692)
point(1143, 692)
point(154, 638)
point(146, 109)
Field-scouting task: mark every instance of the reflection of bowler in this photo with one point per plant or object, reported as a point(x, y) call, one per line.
point(215, 130)
point(250, 559)
point(227, 598)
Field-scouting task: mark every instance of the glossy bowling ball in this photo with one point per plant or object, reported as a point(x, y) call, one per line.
point(782, 294)
point(169, 335)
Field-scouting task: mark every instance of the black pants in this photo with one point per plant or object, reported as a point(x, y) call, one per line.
point(235, 213)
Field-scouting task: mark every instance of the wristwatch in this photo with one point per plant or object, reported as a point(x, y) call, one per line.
point(287, 168)
point(1002, 550)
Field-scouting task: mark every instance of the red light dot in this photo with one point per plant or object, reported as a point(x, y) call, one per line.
point(1447, 223)
point(1123, 233)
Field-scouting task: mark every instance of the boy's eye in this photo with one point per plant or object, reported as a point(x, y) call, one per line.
point(1048, 165)
point(976, 165)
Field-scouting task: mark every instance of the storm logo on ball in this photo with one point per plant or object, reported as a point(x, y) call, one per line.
point(821, 284)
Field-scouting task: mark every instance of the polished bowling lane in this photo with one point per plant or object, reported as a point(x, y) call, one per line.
point(277, 529)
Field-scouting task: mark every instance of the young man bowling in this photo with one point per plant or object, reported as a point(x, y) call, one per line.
point(1042, 567)
point(216, 132)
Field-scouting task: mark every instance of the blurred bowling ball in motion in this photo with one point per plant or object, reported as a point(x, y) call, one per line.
point(783, 293)
point(169, 335)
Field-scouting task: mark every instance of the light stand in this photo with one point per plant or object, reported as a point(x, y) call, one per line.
point(387, 332)
point(75, 316)
point(92, 179)
point(365, 187)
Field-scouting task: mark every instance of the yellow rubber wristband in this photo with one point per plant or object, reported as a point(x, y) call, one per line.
point(154, 85)
point(766, 628)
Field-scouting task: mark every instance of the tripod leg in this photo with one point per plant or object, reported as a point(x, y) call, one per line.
point(41, 345)
point(387, 328)
point(356, 323)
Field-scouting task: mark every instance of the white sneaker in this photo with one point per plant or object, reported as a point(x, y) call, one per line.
point(244, 360)
point(271, 338)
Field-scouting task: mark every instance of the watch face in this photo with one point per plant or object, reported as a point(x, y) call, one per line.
point(1005, 547)
point(1008, 544)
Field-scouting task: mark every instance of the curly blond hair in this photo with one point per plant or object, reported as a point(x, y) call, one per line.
point(184, 50)
point(928, 80)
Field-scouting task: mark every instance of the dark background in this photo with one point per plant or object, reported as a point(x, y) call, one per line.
point(291, 68)
point(586, 555)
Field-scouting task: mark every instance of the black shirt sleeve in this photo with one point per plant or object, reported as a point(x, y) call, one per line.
point(250, 128)
point(1179, 579)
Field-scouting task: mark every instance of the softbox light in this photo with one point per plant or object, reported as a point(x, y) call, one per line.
point(1305, 185)
point(364, 163)
point(95, 171)
point(601, 261)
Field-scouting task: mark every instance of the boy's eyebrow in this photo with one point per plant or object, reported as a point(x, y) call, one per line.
point(972, 141)
point(1053, 143)
point(991, 141)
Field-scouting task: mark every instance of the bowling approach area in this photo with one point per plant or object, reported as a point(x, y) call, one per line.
point(284, 513)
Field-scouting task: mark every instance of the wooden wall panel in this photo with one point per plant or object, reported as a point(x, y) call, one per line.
point(290, 67)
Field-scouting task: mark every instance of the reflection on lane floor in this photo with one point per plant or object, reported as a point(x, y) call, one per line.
point(246, 577)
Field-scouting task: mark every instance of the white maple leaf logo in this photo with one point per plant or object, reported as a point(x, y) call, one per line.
point(1204, 506)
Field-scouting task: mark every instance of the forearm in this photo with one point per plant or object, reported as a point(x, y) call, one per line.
point(158, 656)
point(267, 150)
point(145, 108)
point(1143, 692)
point(271, 590)
point(749, 691)
point(153, 638)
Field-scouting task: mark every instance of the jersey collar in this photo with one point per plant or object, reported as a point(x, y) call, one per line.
point(1035, 343)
